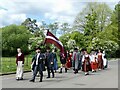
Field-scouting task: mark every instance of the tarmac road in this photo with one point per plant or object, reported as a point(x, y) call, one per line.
point(101, 79)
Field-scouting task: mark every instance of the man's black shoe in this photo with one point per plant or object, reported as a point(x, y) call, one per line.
point(40, 81)
point(21, 79)
point(32, 80)
point(17, 79)
point(48, 77)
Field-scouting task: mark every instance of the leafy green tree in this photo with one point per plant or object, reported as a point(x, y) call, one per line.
point(43, 26)
point(79, 39)
point(31, 25)
point(74, 38)
point(90, 30)
point(108, 39)
point(53, 27)
point(71, 44)
point(14, 36)
point(64, 38)
point(91, 26)
point(65, 28)
point(103, 14)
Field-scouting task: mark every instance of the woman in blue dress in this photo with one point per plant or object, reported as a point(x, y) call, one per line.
point(55, 60)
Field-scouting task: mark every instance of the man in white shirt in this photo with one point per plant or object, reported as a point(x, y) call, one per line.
point(37, 65)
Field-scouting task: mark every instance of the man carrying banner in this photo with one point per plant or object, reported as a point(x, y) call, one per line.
point(51, 39)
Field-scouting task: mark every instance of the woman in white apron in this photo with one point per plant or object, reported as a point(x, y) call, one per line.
point(94, 62)
point(105, 62)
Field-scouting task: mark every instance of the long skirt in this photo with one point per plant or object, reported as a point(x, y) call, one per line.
point(105, 63)
point(68, 63)
point(94, 65)
point(86, 67)
point(100, 64)
point(19, 72)
point(55, 64)
point(63, 61)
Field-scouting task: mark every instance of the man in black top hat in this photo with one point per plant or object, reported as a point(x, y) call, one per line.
point(37, 63)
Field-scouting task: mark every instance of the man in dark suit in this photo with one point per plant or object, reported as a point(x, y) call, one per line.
point(37, 65)
point(50, 63)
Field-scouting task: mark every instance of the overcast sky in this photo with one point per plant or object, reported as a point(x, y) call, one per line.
point(16, 11)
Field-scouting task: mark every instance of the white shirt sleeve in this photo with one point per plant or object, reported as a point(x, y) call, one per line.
point(103, 56)
point(37, 58)
point(91, 57)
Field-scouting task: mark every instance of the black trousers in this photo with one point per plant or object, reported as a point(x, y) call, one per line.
point(50, 70)
point(37, 68)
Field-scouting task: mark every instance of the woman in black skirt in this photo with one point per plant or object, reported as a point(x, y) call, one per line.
point(63, 62)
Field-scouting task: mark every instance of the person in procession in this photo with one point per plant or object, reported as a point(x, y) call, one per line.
point(80, 59)
point(86, 66)
point(37, 65)
point(94, 62)
point(69, 57)
point(63, 62)
point(55, 60)
point(100, 60)
point(76, 58)
point(105, 61)
point(20, 64)
point(50, 62)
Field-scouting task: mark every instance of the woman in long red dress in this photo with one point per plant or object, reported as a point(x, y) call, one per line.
point(69, 58)
point(86, 67)
point(94, 62)
point(100, 60)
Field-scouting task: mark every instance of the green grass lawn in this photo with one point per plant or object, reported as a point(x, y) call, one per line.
point(8, 64)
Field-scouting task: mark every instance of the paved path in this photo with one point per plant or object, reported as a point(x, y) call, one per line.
point(102, 79)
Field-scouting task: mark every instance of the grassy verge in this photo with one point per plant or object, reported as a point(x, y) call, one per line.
point(8, 64)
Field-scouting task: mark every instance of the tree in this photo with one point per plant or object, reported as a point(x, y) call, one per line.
point(14, 36)
point(64, 38)
point(53, 27)
point(38, 36)
point(79, 39)
point(31, 25)
point(71, 44)
point(91, 26)
point(74, 39)
point(65, 28)
point(108, 39)
point(103, 14)
point(90, 31)
point(43, 26)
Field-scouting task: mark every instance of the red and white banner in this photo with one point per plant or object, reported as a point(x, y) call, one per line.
point(50, 38)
